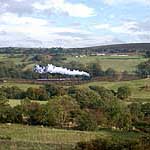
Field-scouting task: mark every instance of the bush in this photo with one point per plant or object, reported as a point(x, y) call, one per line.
point(123, 92)
point(110, 144)
point(86, 122)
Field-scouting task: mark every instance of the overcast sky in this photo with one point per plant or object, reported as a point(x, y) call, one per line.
point(73, 23)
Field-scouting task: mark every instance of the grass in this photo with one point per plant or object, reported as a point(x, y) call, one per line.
point(40, 137)
point(22, 86)
point(119, 63)
point(15, 102)
point(138, 94)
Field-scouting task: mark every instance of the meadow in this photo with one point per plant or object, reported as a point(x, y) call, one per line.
point(139, 92)
point(138, 87)
point(24, 137)
point(118, 63)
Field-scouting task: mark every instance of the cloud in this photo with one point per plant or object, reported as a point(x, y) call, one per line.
point(17, 39)
point(102, 26)
point(19, 7)
point(137, 30)
point(62, 6)
point(35, 32)
point(73, 34)
point(13, 19)
point(116, 2)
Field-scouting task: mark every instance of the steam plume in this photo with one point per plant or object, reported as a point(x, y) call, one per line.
point(53, 69)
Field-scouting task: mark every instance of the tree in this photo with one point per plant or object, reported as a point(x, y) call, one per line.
point(32, 111)
point(36, 93)
point(86, 122)
point(136, 111)
point(54, 90)
point(104, 93)
point(5, 112)
point(60, 111)
point(147, 54)
point(110, 72)
point(143, 69)
point(118, 115)
point(87, 98)
point(123, 92)
point(95, 69)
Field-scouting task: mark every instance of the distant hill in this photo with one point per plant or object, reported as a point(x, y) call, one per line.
point(117, 48)
point(121, 48)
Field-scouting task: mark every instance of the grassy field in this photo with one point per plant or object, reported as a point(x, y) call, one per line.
point(138, 94)
point(25, 137)
point(22, 86)
point(17, 58)
point(15, 102)
point(119, 63)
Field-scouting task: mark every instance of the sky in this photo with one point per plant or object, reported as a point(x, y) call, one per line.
point(73, 23)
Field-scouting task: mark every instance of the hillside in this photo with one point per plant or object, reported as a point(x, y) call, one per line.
point(121, 48)
point(118, 48)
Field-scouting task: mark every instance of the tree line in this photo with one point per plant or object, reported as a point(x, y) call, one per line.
point(75, 107)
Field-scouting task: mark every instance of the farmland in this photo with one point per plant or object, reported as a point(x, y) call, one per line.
point(138, 94)
point(118, 63)
point(43, 138)
point(41, 116)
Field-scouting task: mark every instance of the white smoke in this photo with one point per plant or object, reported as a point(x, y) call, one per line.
point(58, 70)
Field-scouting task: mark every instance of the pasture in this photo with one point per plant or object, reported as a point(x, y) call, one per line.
point(140, 88)
point(139, 92)
point(118, 63)
point(25, 137)
point(15, 102)
point(22, 86)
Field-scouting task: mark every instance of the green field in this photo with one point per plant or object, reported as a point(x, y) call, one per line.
point(25, 137)
point(15, 102)
point(16, 58)
point(118, 63)
point(138, 94)
point(22, 86)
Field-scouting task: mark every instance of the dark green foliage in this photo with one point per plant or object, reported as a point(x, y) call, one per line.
point(87, 98)
point(145, 108)
point(123, 92)
point(136, 111)
point(76, 107)
point(37, 94)
point(18, 114)
point(110, 72)
point(111, 144)
point(143, 69)
point(61, 111)
point(86, 122)
point(12, 92)
point(5, 112)
point(118, 115)
point(54, 90)
point(10, 70)
point(32, 113)
point(104, 93)
point(147, 54)
point(95, 69)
